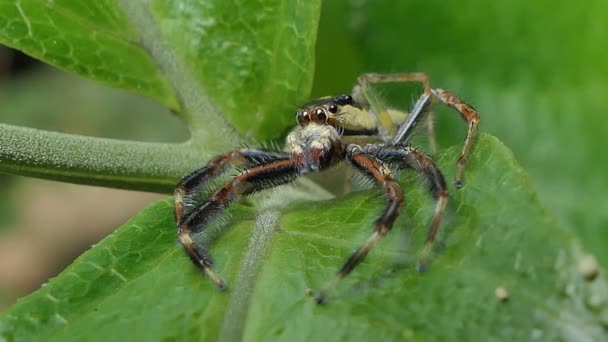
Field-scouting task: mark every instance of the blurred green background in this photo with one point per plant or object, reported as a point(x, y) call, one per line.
point(536, 71)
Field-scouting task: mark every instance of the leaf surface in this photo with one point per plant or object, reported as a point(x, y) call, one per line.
point(254, 58)
point(93, 39)
point(249, 62)
point(137, 283)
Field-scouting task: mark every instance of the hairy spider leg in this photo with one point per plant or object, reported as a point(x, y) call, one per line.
point(364, 95)
point(468, 114)
point(382, 175)
point(409, 157)
point(195, 181)
point(278, 171)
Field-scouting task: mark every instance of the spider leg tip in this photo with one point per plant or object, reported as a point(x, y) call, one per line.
point(422, 267)
point(217, 280)
point(458, 184)
point(321, 297)
point(423, 262)
point(222, 286)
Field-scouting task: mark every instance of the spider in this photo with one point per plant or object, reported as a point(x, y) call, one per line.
point(323, 137)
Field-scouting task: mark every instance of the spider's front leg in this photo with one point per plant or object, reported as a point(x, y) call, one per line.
point(270, 169)
point(194, 182)
point(381, 174)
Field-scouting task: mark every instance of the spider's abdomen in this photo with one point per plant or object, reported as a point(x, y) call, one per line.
point(314, 147)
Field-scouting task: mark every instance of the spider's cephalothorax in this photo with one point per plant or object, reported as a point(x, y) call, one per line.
point(325, 135)
point(316, 143)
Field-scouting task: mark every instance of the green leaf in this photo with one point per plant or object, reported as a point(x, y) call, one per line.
point(93, 39)
point(251, 61)
point(138, 284)
point(253, 58)
point(537, 76)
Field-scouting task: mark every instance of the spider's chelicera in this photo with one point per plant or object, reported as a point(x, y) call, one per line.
point(326, 134)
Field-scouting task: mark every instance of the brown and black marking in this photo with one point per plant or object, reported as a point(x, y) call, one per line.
point(319, 141)
point(267, 169)
point(407, 157)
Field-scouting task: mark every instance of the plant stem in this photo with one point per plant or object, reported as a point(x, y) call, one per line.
point(154, 167)
point(205, 121)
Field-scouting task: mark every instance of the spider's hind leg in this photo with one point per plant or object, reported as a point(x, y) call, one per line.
point(409, 157)
point(468, 114)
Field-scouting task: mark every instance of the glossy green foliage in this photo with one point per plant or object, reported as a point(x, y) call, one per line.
point(249, 61)
point(94, 39)
point(253, 58)
point(137, 283)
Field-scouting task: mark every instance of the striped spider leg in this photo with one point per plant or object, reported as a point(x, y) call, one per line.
point(264, 169)
point(374, 161)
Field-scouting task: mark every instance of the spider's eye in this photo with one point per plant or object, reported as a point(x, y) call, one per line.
point(345, 100)
point(301, 116)
point(320, 113)
point(332, 108)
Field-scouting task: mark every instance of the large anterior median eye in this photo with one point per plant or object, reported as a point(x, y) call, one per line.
point(332, 108)
point(320, 113)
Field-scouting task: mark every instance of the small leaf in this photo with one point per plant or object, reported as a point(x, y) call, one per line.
point(138, 284)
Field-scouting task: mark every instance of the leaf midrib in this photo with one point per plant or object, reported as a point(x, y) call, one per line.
point(196, 106)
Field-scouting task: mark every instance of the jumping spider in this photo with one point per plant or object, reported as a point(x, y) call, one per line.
point(324, 136)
